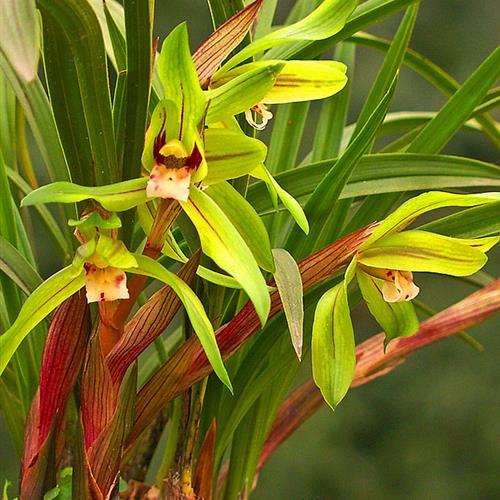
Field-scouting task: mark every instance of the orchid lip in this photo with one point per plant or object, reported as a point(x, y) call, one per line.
point(263, 112)
point(398, 286)
point(105, 284)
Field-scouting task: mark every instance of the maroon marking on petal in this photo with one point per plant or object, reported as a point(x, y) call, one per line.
point(102, 296)
point(152, 176)
point(389, 273)
point(406, 297)
point(119, 279)
point(194, 160)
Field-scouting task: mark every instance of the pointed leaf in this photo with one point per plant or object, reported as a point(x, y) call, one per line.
point(289, 284)
point(458, 108)
point(98, 394)
point(297, 81)
point(39, 305)
point(17, 268)
point(471, 223)
point(333, 346)
point(292, 205)
point(63, 356)
point(114, 197)
point(104, 456)
point(384, 173)
point(427, 252)
point(323, 22)
point(147, 324)
point(83, 67)
point(139, 25)
point(224, 245)
point(320, 207)
point(413, 208)
point(36, 107)
point(231, 154)
point(194, 308)
point(241, 93)
point(189, 365)
point(20, 36)
point(204, 470)
point(218, 278)
point(223, 40)
point(397, 319)
point(244, 218)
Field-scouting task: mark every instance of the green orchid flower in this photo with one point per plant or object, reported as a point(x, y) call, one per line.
point(385, 263)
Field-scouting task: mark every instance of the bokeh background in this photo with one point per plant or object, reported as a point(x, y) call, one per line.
point(431, 429)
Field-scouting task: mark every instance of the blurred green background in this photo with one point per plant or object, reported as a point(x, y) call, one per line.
point(431, 429)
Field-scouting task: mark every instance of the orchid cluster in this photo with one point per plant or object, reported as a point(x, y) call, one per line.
point(187, 204)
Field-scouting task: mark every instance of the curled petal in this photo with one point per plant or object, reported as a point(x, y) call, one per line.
point(169, 183)
point(399, 286)
point(265, 114)
point(105, 284)
point(174, 148)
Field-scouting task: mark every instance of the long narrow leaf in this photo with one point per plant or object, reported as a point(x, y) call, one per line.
point(194, 308)
point(39, 304)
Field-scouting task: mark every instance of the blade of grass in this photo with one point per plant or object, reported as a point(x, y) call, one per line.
point(319, 206)
point(77, 27)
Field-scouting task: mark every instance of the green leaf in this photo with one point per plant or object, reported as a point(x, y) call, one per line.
point(6, 486)
point(241, 93)
point(323, 22)
point(230, 154)
point(222, 242)
point(332, 119)
point(61, 241)
point(384, 173)
point(397, 319)
point(38, 306)
point(114, 197)
point(20, 36)
point(292, 205)
point(320, 208)
point(290, 289)
point(244, 218)
point(333, 346)
point(138, 25)
point(36, 108)
point(413, 208)
point(75, 26)
point(390, 67)
point(95, 220)
point(458, 108)
point(471, 223)
point(64, 486)
point(427, 252)
point(367, 13)
point(66, 102)
point(297, 81)
point(432, 73)
point(194, 308)
point(112, 20)
point(217, 278)
point(17, 268)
